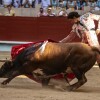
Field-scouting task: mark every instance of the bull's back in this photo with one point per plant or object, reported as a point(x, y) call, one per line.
point(58, 50)
point(52, 50)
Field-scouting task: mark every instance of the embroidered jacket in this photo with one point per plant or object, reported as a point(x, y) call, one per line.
point(83, 28)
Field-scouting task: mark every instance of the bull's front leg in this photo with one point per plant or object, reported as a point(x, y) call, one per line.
point(81, 80)
point(11, 76)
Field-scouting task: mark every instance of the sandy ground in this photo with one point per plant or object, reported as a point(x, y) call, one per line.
point(22, 88)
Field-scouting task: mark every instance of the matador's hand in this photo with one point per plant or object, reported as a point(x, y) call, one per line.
point(97, 31)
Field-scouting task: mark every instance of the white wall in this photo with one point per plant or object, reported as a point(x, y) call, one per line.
point(34, 11)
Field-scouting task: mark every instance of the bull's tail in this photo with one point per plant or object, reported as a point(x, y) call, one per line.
point(98, 54)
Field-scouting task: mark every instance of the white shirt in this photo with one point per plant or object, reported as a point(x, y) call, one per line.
point(45, 3)
point(7, 2)
point(16, 3)
point(41, 14)
point(61, 13)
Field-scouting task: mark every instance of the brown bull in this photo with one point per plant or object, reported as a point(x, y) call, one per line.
point(51, 59)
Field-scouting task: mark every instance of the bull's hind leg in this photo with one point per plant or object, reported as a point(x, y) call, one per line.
point(11, 76)
point(81, 80)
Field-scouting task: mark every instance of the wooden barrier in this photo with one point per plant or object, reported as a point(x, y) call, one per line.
point(33, 28)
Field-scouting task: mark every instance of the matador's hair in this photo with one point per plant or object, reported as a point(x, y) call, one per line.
point(73, 15)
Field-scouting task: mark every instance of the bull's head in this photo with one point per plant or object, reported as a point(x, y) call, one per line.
point(6, 68)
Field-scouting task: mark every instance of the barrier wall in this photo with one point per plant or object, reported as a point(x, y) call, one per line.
point(33, 28)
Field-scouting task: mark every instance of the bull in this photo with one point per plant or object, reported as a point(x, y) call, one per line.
point(51, 59)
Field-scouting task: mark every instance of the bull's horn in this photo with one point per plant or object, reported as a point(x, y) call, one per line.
point(3, 60)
